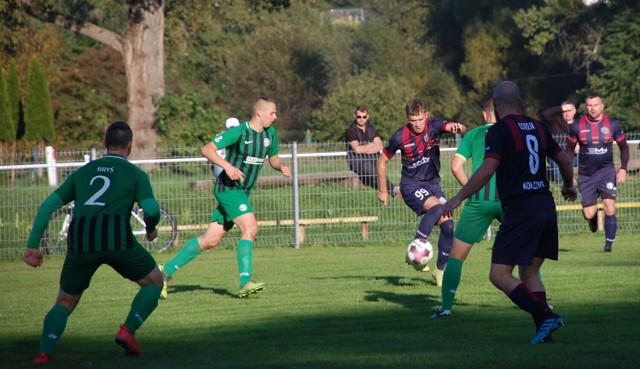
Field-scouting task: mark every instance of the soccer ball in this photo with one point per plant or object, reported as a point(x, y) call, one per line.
point(419, 252)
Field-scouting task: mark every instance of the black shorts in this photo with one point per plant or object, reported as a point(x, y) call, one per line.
point(525, 233)
point(78, 269)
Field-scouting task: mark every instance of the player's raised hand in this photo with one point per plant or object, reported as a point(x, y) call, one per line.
point(458, 128)
point(33, 257)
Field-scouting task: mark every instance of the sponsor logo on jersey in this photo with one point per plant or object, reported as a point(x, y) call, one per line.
point(217, 138)
point(247, 142)
point(105, 169)
point(597, 151)
point(418, 163)
point(409, 145)
point(253, 160)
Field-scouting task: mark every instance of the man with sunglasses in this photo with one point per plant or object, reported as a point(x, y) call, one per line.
point(363, 149)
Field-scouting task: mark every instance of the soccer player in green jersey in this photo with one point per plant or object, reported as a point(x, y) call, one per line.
point(479, 210)
point(104, 192)
point(247, 147)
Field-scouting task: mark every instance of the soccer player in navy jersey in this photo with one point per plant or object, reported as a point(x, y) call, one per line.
point(104, 192)
point(516, 150)
point(419, 145)
point(247, 146)
point(597, 174)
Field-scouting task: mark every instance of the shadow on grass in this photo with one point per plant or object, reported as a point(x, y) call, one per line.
point(384, 338)
point(391, 280)
point(177, 289)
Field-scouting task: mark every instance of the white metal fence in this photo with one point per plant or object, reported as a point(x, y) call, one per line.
point(324, 204)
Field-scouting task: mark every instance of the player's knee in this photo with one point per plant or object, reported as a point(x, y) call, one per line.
point(250, 232)
point(155, 277)
point(446, 227)
point(436, 211)
point(207, 242)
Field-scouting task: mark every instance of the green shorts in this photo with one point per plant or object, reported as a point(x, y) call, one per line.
point(476, 217)
point(78, 269)
point(231, 204)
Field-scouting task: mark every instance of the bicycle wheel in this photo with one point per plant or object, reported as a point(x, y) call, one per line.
point(167, 230)
point(54, 240)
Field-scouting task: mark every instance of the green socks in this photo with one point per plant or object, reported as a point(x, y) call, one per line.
point(245, 259)
point(142, 306)
point(450, 282)
point(189, 251)
point(54, 324)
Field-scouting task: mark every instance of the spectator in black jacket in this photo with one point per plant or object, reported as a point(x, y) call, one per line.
point(363, 149)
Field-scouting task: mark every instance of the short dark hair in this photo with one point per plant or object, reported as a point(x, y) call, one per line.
point(118, 135)
point(361, 108)
point(259, 101)
point(487, 104)
point(415, 107)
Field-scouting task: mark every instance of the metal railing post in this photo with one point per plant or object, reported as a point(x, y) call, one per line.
point(296, 195)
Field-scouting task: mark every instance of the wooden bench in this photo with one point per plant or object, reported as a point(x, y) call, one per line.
point(364, 220)
point(600, 211)
point(347, 177)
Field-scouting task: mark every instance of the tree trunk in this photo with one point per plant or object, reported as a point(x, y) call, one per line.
point(143, 54)
point(142, 50)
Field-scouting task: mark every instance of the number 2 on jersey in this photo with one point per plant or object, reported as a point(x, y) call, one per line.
point(105, 186)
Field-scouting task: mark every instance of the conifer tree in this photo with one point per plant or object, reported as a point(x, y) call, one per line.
point(38, 113)
point(15, 97)
point(7, 125)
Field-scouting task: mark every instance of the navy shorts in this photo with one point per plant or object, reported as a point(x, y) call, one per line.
point(416, 194)
point(525, 233)
point(601, 183)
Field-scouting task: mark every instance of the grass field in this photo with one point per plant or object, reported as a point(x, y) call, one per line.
point(337, 307)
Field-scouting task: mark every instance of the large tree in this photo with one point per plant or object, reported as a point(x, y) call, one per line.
point(142, 49)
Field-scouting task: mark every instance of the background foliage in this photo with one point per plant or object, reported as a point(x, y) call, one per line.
point(221, 55)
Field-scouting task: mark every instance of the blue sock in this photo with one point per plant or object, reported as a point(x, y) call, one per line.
point(429, 219)
point(610, 228)
point(445, 242)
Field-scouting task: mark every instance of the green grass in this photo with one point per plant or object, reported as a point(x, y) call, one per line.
point(337, 307)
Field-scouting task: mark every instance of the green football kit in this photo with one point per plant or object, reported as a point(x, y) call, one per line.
point(104, 192)
point(246, 150)
point(484, 206)
point(480, 209)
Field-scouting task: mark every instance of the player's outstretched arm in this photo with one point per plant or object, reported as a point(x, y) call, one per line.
point(453, 127)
